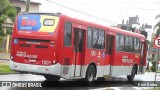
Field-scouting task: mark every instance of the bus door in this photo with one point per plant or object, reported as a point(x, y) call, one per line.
point(109, 52)
point(78, 53)
point(67, 51)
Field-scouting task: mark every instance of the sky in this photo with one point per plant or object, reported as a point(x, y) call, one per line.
point(106, 12)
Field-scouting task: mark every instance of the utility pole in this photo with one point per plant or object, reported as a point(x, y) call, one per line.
point(156, 68)
point(157, 44)
point(27, 5)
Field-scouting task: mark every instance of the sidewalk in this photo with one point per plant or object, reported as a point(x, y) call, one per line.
point(4, 56)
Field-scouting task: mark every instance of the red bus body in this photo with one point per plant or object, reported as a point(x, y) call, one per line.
point(41, 47)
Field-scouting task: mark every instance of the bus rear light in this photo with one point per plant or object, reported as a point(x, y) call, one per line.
point(54, 62)
point(11, 58)
point(52, 44)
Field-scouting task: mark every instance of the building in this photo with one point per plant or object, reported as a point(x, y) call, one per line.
point(149, 30)
point(134, 21)
point(20, 5)
point(132, 25)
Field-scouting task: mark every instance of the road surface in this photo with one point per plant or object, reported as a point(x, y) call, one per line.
point(119, 83)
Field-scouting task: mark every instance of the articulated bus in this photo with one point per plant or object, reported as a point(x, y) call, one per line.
point(58, 46)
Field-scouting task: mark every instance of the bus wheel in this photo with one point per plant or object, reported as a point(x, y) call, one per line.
point(90, 74)
point(52, 77)
point(101, 79)
point(133, 73)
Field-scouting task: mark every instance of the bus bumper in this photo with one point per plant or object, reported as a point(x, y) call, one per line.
point(37, 69)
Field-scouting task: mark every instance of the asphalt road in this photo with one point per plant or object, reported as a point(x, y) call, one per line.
point(117, 83)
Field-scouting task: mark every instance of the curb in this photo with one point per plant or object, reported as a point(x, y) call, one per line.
point(9, 73)
point(5, 59)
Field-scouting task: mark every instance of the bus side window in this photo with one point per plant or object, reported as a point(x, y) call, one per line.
point(98, 39)
point(136, 45)
point(95, 38)
point(129, 44)
point(68, 34)
point(89, 38)
point(142, 48)
point(119, 42)
point(101, 37)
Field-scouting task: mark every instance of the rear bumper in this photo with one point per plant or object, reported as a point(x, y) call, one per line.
point(52, 70)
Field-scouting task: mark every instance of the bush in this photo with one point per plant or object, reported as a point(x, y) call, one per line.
point(153, 67)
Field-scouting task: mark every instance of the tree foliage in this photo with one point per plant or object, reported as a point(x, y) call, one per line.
point(6, 12)
point(153, 67)
point(157, 26)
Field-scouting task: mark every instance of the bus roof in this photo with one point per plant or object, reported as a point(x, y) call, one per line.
point(91, 24)
point(53, 14)
point(106, 28)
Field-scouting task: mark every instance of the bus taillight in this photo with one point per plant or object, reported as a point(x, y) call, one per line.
point(54, 62)
point(52, 43)
point(11, 58)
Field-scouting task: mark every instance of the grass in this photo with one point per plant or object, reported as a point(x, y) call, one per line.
point(158, 71)
point(5, 69)
point(157, 88)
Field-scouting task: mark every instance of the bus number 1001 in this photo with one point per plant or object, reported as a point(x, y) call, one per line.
point(46, 62)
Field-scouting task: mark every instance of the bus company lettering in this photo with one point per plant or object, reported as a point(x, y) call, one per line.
point(26, 22)
point(125, 59)
point(93, 53)
point(29, 23)
point(99, 54)
point(25, 55)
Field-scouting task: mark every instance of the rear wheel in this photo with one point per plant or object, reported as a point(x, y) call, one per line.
point(52, 77)
point(90, 74)
point(133, 73)
point(101, 79)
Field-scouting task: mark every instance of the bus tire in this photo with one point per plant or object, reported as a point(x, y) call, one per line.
point(133, 73)
point(52, 77)
point(90, 74)
point(101, 79)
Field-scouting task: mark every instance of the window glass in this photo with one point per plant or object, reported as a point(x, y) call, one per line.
point(119, 42)
point(98, 39)
point(89, 43)
point(100, 44)
point(101, 35)
point(128, 44)
point(95, 38)
point(136, 45)
point(67, 34)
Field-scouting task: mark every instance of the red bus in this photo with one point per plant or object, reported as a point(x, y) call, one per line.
point(58, 46)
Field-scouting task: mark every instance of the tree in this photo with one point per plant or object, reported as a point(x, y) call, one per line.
point(151, 44)
point(6, 11)
point(157, 26)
